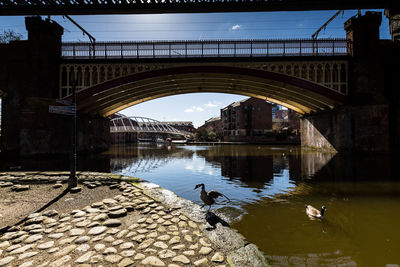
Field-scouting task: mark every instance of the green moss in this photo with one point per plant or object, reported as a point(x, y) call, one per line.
point(114, 176)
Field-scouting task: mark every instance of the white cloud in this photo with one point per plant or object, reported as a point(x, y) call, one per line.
point(213, 104)
point(194, 109)
point(235, 27)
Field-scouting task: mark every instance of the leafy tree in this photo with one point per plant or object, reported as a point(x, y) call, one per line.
point(208, 135)
point(9, 35)
point(201, 135)
point(212, 136)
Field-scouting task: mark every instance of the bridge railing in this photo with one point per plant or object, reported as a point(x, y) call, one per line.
point(196, 49)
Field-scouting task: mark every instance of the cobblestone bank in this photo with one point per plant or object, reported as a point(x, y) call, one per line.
point(142, 225)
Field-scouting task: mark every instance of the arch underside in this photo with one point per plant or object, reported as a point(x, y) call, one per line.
point(294, 93)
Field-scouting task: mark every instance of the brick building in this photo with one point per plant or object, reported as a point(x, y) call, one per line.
point(284, 118)
point(214, 124)
point(246, 119)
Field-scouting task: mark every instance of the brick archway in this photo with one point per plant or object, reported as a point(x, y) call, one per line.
point(298, 94)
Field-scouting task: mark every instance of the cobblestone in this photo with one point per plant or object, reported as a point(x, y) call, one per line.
point(129, 229)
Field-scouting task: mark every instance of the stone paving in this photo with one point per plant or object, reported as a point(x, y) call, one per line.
point(131, 229)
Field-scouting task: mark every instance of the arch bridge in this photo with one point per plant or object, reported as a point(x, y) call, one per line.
point(345, 89)
point(303, 75)
point(124, 124)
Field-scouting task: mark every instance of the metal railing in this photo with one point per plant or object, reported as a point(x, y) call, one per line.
point(198, 49)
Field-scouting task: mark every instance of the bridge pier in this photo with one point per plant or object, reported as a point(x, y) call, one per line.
point(29, 81)
point(370, 120)
point(348, 129)
point(394, 23)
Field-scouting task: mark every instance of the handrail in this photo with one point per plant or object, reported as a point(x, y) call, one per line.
point(205, 48)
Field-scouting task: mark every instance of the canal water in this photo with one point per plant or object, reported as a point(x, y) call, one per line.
point(268, 187)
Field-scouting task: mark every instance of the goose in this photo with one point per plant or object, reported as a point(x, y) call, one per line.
point(208, 197)
point(313, 212)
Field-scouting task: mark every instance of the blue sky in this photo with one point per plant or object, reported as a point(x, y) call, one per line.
point(202, 106)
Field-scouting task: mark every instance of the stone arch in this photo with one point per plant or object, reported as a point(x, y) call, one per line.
point(295, 93)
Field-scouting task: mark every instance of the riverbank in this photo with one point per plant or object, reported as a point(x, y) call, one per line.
point(246, 143)
point(112, 220)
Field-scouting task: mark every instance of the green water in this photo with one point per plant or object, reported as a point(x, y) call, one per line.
point(360, 227)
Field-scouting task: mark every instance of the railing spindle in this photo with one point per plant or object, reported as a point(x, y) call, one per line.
point(300, 47)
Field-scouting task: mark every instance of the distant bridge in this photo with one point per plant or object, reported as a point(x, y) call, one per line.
point(124, 124)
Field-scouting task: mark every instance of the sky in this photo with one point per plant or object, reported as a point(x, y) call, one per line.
point(216, 26)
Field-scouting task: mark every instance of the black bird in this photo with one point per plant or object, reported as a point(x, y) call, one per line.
point(208, 197)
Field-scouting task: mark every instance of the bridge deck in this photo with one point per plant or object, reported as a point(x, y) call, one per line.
point(206, 48)
point(91, 7)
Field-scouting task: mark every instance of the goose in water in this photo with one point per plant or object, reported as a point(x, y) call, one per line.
point(208, 197)
point(313, 212)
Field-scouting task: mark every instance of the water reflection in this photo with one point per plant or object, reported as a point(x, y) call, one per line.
point(143, 159)
point(246, 173)
point(269, 187)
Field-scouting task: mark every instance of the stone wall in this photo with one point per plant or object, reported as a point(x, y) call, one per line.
point(29, 83)
point(348, 129)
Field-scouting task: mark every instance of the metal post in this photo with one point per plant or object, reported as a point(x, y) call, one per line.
point(122, 54)
point(105, 50)
point(154, 54)
point(284, 47)
point(73, 49)
point(251, 48)
point(234, 49)
point(73, 181)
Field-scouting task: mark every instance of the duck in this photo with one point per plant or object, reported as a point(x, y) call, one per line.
point(208, 197)
point(315, 213)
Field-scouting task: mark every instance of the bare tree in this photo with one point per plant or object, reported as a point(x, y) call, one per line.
point(9, 35)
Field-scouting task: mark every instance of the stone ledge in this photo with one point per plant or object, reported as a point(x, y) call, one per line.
point(238, 250)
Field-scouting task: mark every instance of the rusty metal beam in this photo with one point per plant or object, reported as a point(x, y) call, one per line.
point(71, 7)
